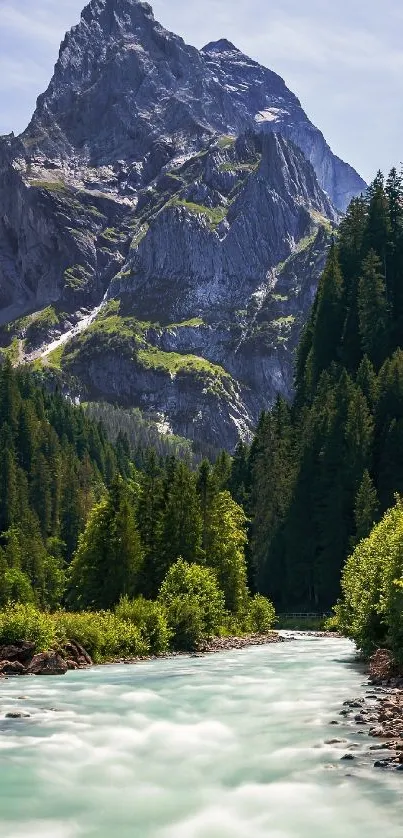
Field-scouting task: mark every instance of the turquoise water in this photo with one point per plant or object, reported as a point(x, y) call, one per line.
point(224, 746)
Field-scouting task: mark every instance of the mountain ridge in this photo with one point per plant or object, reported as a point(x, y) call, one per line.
point(185, 186)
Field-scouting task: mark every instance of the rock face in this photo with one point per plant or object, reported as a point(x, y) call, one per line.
point(189, 190)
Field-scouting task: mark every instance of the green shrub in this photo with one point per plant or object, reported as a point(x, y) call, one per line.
point(371, 611)
point(186, 621)
point(102, 634)
point(261, 615)
point(15, 587)
point(331, 624)
point(151, 620)
point(198, 587)
point(25, 622)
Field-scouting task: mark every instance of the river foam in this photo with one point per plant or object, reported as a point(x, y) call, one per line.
point(225, 746)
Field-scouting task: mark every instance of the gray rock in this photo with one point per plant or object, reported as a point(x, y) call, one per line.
point(47, 663)
point(12, 668)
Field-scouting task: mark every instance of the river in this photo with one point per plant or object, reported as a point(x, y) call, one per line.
point(224, 746)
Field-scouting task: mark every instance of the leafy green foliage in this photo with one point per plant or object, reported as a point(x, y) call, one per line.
point(195, 605)
point(151, 620)
point(152, 555)
point(371, 610)
point(261, 615)
point(24, 621)
point(109, 557)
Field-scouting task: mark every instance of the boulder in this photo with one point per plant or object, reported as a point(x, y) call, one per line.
point(75, 652)
point(20, 650)
point(12, 668)
point(48, 663)
point(381, 667)
point(14, 715)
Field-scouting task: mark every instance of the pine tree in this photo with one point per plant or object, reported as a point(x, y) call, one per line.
point(366, 507)
point(150, 518)
point(8, 479)
point(182, 521)
point(377, 230)
point(328, 326)
point(373, 311)
point(109, 557)
point(225, 550)
point(240, 478)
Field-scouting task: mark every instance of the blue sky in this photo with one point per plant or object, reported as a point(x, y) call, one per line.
point(343, 59)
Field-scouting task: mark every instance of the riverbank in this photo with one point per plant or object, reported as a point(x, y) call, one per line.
point(381, 712)
point(19, 658)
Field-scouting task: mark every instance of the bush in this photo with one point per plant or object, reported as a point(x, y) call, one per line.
point(371, 611)
point(15, 587)
point(102, 634)
point(261, 615)
point(151, 620)
point(198, 587)
point(25, 622)
point(186, 622)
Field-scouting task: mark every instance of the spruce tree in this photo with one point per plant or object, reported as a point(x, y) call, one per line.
point(109, 558)
point(366, 507)
point(373, 310)
point(328, 326)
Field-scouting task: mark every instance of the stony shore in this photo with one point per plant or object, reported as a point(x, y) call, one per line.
point(19, 658)
point(380, 712)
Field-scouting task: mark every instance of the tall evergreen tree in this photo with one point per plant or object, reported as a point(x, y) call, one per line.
point(373, 310)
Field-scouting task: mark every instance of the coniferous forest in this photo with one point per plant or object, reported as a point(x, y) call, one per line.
point(160, 546)
point(321, 471)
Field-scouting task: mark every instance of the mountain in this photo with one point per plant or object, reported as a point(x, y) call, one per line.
point(188, 191)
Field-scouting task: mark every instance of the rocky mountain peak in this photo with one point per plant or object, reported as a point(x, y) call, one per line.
point(221, 46)
point(179, 202)
point(126, 89)
point(97, 8)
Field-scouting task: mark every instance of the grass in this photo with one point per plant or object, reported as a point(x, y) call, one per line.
point(49, 185)
point(320, 219)
point(76, 277)
point(13, 351)
point(113, 235)
point(214, 215)
point(139, 236)
point(173, 363)
point(194, 322)
point(283, 321)
point(54, 359)
point(226, 141)
point(301, 623)
point(174, 177)
point(239, 167)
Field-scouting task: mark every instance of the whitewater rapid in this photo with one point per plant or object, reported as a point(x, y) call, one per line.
point(224, 746)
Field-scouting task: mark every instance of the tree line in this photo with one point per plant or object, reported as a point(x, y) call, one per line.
point(85, 529)
point(321, 471)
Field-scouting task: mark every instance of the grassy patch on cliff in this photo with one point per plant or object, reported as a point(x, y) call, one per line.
point(226, 141)
point(172, 362)
point(76, 277)
point(49, 185)
point(54, 359)
point(239, 167)
point(214, 215)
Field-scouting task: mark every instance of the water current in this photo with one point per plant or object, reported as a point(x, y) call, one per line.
point(231, 745)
